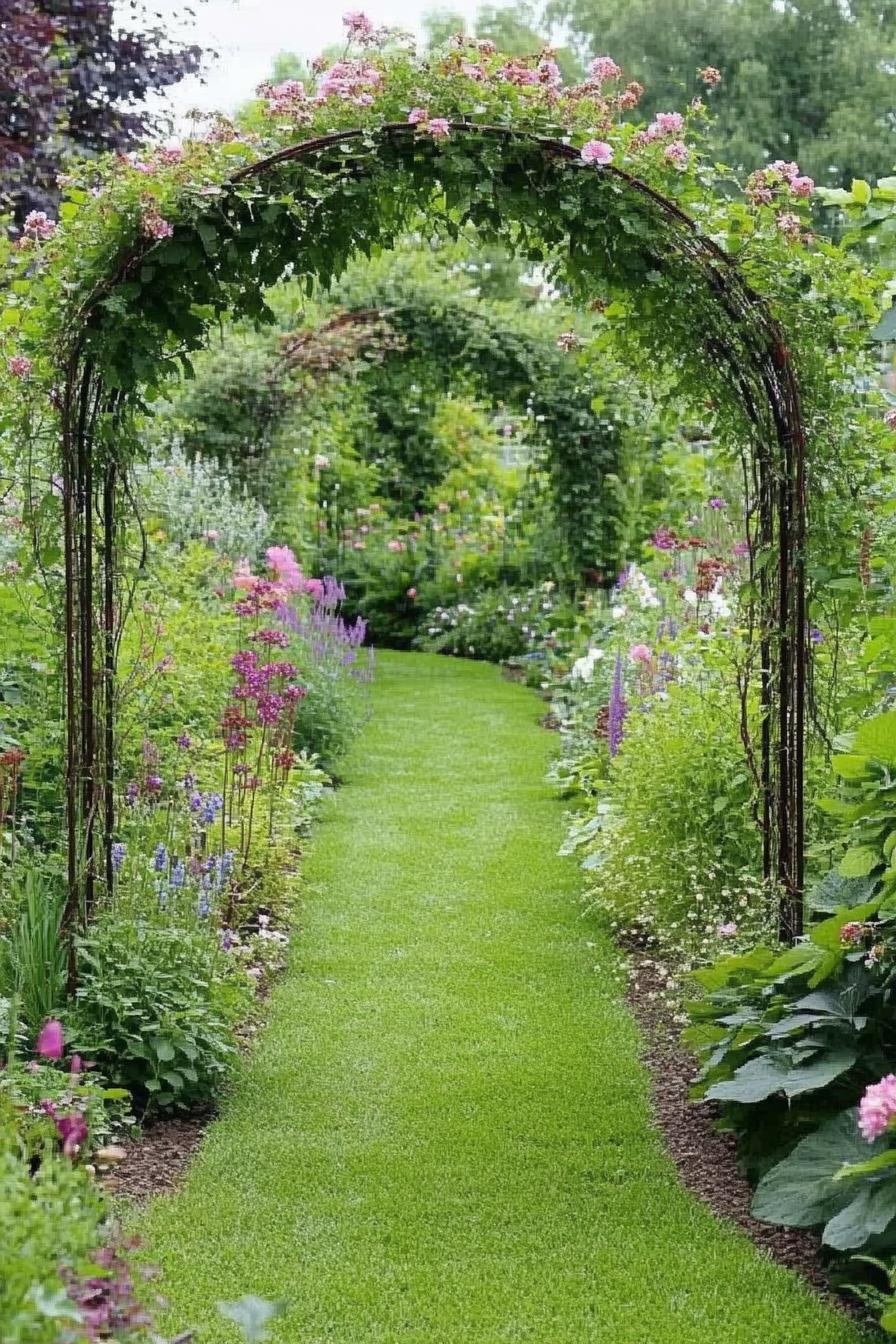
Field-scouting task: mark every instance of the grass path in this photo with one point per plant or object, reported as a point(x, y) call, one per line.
point(443, 1136)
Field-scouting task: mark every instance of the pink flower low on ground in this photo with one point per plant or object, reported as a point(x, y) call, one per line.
point(878, 1107)
point(50, 1043)
point(597, 152)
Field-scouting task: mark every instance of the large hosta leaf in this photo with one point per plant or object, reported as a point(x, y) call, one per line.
point(869, 1214)
point(877, 737)
point(801, 1191)
point(765, 1075)
point(835, 891)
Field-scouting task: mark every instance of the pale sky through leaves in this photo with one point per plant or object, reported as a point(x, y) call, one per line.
point(248, 34)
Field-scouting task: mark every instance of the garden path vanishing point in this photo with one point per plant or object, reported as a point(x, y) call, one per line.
point(443, 1135)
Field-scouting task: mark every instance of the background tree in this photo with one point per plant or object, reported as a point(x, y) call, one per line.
point(811, 80)
point(74, 77)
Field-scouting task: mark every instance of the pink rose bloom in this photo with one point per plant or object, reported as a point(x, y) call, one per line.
point(678, 153)
point(358, 25)
point(50, 1042)
point(439, 128)
point(417, 115)
point(727, 930)
point(877, 1107)
point(640, 653)
point(597, 152)
point(154, 226)
point(20, 366)
point(668, 123)
point(603, 68)
point(802, 186)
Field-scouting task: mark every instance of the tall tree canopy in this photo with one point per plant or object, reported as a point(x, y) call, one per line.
point(811, 80)
point(74, 76)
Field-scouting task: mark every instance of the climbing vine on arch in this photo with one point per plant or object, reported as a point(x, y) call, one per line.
point(729, 296)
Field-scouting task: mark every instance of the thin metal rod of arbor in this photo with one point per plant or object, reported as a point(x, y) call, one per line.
point(749, 351)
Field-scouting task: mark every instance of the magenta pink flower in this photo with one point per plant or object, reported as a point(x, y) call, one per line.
point(417, 115)
point(51, 1042)
point(20, 366)
point(789, 171)
point(597, 152)
point(639, 653)
point(603, 68)
point(802, 186)
point(439, 128)
point(878, 1107)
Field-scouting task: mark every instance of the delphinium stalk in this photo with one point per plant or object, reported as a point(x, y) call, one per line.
point(617, 708)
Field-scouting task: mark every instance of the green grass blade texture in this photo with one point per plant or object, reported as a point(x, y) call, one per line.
point(444, 1136)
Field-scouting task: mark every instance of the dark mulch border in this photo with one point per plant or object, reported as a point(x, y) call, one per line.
point(706, 1157)
point(157, 1159)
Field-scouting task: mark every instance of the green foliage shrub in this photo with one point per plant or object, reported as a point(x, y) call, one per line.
point(155, 1009)
point(676, 842)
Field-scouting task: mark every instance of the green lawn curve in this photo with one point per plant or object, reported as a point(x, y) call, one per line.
point(443, 1135)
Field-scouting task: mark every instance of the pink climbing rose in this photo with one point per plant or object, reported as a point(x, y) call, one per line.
point(50, 1043)
point(877, 1109)
point(603, 68)
point(677, 153)
point(668, 123)
point(597, 152)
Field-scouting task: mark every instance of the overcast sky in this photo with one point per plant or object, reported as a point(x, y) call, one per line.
point(248, 34)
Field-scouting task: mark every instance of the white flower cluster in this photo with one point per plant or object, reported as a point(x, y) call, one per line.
point(583, 668)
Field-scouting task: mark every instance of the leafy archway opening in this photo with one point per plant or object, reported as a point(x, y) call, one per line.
point(150, 258)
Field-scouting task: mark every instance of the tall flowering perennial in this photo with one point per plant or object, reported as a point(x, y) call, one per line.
point(617, 708)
